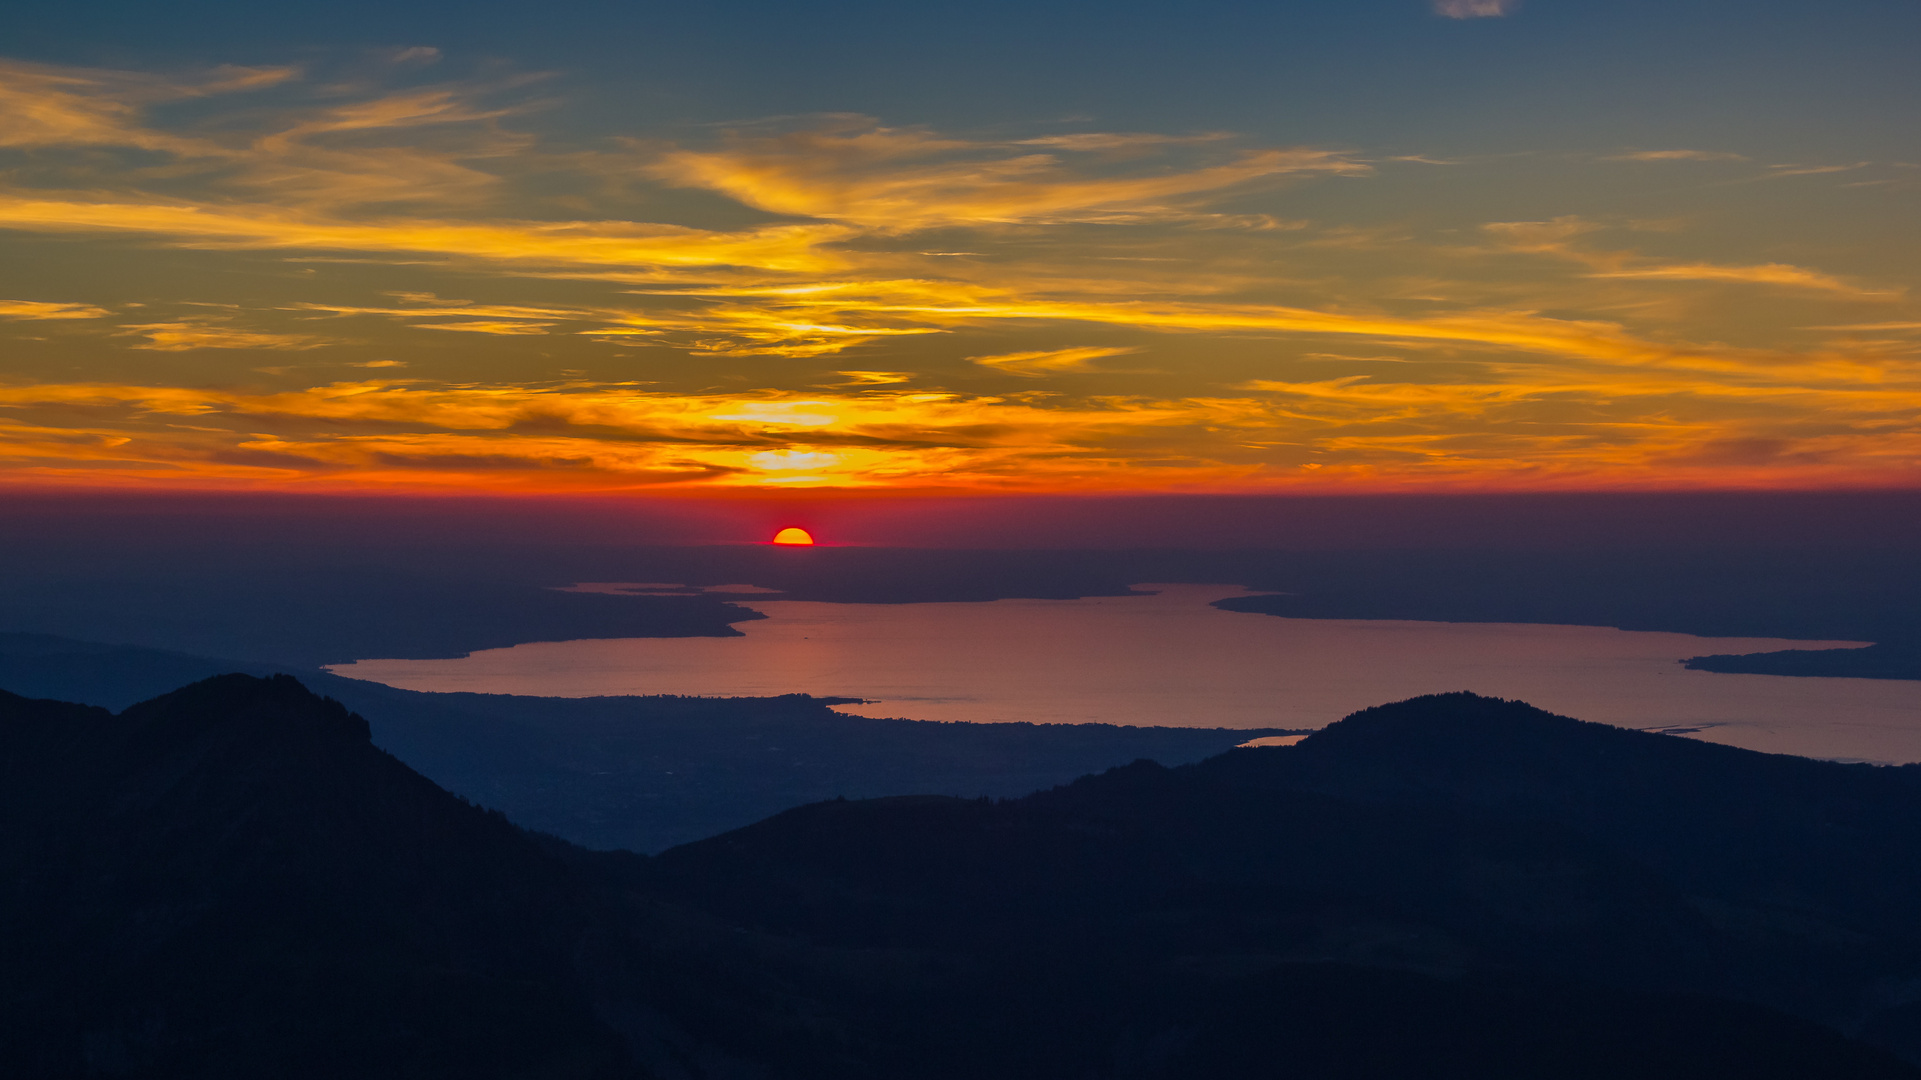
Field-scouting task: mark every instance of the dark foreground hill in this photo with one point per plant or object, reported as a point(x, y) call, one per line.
point(642, 773)
point(231, 881)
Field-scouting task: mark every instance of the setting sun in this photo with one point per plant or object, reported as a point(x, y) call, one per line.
point(794, 538)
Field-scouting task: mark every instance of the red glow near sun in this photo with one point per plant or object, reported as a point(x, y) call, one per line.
point(794, 538)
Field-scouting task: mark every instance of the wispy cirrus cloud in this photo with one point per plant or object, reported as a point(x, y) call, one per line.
point(905, 179)
point(43, 309)
point(187, 334)
point(1475, 9)
point(1764, 274)
point(1676, 155)
point(525, 243)
point(46, 106)
point(1049, 361)
point(1559, 238)
point(862, 258)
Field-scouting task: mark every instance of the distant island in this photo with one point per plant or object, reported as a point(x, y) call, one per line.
point(1882, 660)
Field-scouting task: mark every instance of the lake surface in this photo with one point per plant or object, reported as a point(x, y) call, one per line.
point(1169, 658)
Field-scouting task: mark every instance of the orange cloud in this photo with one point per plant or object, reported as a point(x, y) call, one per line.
point(1523, 425)
point(1048, 361)
point(42, 105)
point(1527, 356)
point(900, 180)
point(1765, 274)
point(586, 244)
point(621, 434)
point(40, 309)
point(1556, 238)
point(1676, 155)
point(484, 326)
point(182, 336)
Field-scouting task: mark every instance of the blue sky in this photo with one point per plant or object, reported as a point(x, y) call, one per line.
point(1753, 76)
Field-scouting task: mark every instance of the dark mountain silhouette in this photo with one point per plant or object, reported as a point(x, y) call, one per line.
point(232, 881)
point(1449, 835)
point(643, 773)
point(109, 676)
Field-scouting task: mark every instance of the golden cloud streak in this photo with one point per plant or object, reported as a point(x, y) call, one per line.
point(1765, 274)
point(627, 435)
point(188, 335)
point(881, 416)
point(1510, 331)
point(779, 248)
point(1048, 361)
point(485, 326)
point(40, 309)
point(884, 179)
point(610, 436)
point(1556, 238)
point(1612, 367)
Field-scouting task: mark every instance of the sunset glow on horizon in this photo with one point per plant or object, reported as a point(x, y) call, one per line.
point(411, 271)
point(794, 537)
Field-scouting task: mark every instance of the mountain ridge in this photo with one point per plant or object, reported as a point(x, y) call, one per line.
point(231, 880)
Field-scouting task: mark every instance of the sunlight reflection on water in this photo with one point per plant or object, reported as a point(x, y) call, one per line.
point(1171, 659)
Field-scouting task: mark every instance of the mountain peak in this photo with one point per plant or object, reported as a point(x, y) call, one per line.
point(274, 703)
point(237, 857)
point(1451, 719)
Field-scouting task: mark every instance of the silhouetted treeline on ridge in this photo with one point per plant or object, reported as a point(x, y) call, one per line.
point(231, 880)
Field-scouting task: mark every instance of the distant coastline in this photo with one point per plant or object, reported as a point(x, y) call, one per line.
point(1882, 660)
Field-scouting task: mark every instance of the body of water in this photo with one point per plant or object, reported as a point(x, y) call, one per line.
point(1170, 658)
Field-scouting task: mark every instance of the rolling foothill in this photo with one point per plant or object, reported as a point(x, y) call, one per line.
point(230, 880)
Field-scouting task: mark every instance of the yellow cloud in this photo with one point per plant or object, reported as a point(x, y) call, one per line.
point(40, 309)
point(1613, 367)
point(1048, 361)
point(474, 433)
point(1676, 155)
point(585, 244)
point(1556, 238)
point(185, 335)
point(900, 180)
point(1875, 326)
point(43, 105)
point(1765, 274)
point(1521, 425)
point(769, 316)
point(486, 326)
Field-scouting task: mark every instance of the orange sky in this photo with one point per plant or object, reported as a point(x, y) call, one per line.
point(421, 280)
